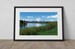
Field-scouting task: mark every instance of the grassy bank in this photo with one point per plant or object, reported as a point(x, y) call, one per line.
point(49, 29)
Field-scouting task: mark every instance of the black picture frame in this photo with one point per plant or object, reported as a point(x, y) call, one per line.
point(62, 10)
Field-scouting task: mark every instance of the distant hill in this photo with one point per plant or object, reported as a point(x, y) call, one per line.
point(34, 21)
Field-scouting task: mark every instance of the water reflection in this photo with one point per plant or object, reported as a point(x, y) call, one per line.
point(32, 25)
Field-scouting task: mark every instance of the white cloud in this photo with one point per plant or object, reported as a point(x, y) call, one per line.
point(51, 20)
point(26, 19)
point(38, 19)
point(52, 16)
point(29, 17)
point(43, 16)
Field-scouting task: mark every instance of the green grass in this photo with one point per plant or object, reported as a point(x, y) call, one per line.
point(50, 29)
point(49, 32)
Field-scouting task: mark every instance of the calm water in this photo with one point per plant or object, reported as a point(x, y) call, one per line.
point(32, 25)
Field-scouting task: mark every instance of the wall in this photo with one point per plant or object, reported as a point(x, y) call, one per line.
point(7, 15)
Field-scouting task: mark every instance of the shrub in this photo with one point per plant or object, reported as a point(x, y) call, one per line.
point(28, 31)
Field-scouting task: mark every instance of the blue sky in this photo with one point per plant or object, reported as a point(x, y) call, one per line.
point(38, 16)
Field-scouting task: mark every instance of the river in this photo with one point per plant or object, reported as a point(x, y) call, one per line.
point(28, 25)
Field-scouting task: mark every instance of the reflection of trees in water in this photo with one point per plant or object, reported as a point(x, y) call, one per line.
point(22, 22)
point(28, 24)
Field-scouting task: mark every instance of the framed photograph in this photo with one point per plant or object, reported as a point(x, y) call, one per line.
point(38, 23)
